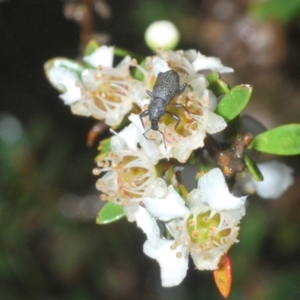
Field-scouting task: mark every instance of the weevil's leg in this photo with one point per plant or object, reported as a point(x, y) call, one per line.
point(149, 93)
point(144, 134)
point(178, 105)
point(182, 88)
point(175, 117)
point(144, 114)
point(162, 136)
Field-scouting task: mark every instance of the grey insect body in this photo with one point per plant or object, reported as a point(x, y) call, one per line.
point(165, 89)
point(167, 86)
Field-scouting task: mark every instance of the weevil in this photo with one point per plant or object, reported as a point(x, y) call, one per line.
point(165, 89)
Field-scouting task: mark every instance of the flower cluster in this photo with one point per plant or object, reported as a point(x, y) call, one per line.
point(139, 171)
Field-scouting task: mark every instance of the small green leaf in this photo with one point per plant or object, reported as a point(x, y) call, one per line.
point(183, 192)
point(104, 145)
point(91, 47)
point(233, 103)
point(253, 168)
point(64, 63)
point(282, 140)
point(217, 85)
point(104, 148)
point(137, 74)
point(109, 213)
point(123, 52)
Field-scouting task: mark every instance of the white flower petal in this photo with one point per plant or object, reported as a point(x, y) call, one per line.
point(214, 123)
point(212, 101)
point(124, 64)
point(277, 178)
point(150, 148)
point(117, 143)
point(199, 85)
point(88, 78)
point(173, 263)
point(212, 189)
point(80, 109)
point(190, 55)
point(159, 65)
point(130, 210)
point(158, 189)
point(165, 209)
point(148, 224)
point(67, 82)
point(183, 149)
point(130, 136)
point(103, 56)
point(203, 62)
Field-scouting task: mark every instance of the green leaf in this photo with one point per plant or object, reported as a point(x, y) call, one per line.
point(233, 103)
point(109, 213)
point(137, 74)
point(282, 140)
point(91, 47)
point(253, 168)
point(276, 9)
point(104, 148)
point(63, 63)
point(123, 52)
point(217, 85)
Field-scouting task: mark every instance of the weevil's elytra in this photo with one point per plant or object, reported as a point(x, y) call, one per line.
point(165, 89)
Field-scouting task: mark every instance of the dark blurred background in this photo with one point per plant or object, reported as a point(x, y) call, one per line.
point(50, 247)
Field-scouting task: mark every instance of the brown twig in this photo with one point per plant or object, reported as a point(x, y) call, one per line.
point(230, 158)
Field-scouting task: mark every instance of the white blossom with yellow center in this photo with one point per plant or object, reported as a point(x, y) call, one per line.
point(206, 228)
point(195, 112)
point(102, 91)
point(126, 173)
point(128, 177)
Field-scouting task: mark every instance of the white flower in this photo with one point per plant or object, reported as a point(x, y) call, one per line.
point(103, 57)
point(192, 61)
point(202, 62)
point(277, 178)
point(150, 147)
point(206, 228)
point(172, 258)
point(173, 264)
point(213, 191)
point(212, 226)
point(193, 108)
point(162, 34)
point(65, 81)
point(167, 208)
point(103, 92)
point(126, 173)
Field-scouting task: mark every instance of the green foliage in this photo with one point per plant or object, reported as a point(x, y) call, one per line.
point(104, 148)
point(109, 213)
point(282, 140)
point(137, 74)
point(217, 85)
point(280, 10)
point(253, 168)
point(234, 102)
